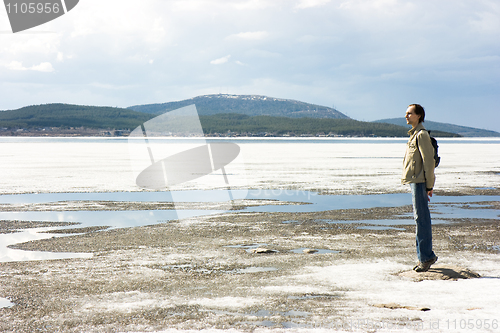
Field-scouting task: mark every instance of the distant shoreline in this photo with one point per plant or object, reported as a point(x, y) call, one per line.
point(89, 132)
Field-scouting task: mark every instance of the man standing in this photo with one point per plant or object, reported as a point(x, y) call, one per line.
point(418, 171)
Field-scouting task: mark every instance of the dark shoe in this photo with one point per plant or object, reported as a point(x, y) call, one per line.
point(424, 267)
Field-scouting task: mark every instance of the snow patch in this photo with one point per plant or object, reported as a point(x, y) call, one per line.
point(226, 302)
point(126, 302)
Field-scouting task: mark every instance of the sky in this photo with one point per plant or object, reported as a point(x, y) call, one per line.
point(367, 59)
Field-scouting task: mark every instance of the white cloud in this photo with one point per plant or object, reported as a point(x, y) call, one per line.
point(254, 4)
point(487, 22)
point(62, 57)
point(221, 61)
point(251, 35)
point(218, 5)
point(42, 67)
point(311, 3)
point(16, 66)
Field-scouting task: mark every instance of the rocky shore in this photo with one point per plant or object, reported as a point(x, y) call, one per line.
point(204, 274)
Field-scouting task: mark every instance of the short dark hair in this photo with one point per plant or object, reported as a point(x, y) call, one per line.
point(419, 110)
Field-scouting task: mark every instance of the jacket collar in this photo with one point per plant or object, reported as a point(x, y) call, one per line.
point(419, 127)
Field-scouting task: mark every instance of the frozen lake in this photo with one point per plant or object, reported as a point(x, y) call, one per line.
point(332, 165)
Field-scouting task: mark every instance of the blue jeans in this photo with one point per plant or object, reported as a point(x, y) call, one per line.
point(422, 217)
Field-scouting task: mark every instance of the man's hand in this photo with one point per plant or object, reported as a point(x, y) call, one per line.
point(429, 195)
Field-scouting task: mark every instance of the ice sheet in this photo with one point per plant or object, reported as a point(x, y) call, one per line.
point(343, 166)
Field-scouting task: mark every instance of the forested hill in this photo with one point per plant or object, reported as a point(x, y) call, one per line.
point(251, 105)
point(54, 119)
point(68, 119)
point(435, 126)
point(239, 124)
point(68, 115)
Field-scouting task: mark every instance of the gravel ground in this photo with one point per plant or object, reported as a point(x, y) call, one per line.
point(246, 272)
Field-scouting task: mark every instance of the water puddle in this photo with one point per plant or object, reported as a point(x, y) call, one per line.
point(7, 254)
point(316, 201)
point(443, 208)
point(248, 247)
point(111, 219)
point(465, 211)
point(312, 202)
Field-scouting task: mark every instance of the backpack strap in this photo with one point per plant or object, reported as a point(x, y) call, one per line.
point(434, 144)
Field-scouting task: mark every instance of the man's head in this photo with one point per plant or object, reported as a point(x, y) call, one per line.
point(419, 111)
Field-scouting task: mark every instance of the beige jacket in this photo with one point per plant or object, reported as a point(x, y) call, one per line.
point(418, 164)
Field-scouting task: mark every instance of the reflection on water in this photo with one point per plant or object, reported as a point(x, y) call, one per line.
point(112, 219)
point(248, 247)
point(313, 251)
point(459, 210)
point(8, 254)
point(443, 208)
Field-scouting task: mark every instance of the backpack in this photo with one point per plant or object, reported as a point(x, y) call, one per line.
point(434, 143)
